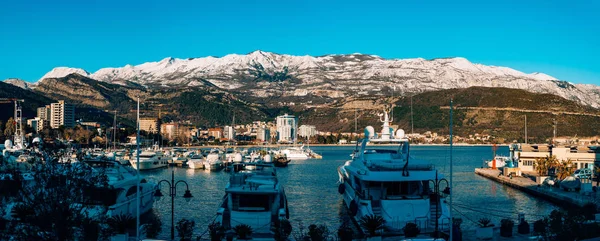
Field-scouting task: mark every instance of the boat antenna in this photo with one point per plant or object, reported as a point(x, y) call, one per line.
point(115, 131)
point(355, 121)
point(412, 121)
point(392, 102)
point(525, 129)
point(137, 142)
point(451, 190)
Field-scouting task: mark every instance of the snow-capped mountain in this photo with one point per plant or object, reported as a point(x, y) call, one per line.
point(265, 74)
point(60, 72)
point(18, 82)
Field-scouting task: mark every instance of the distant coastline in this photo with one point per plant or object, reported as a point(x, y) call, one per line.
point(326, 145)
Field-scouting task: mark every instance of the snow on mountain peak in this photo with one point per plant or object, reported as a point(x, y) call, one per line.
point(60, 72)
point(351, 74)
point(18, 82)
point(541, 76)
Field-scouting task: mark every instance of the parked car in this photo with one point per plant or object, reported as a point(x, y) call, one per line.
point(583, 173)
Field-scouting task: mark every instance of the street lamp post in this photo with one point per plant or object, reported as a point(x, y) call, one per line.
point(437, 195)
point(173, 192)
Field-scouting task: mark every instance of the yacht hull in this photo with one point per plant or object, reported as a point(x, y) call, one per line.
point(128, 205)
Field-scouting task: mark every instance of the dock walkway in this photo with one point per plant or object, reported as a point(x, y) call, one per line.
point(553, 194)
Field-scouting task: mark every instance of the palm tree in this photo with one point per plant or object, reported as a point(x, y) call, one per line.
point(372, 223)
point(542, 164)
point(565, 169)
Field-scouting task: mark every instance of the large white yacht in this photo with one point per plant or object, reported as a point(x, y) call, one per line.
point(149, 160)
point(120, 196)
point(253, 197)
point(383, 179)
point(295, 153)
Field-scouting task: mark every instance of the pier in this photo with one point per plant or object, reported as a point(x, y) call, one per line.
point(552, 194)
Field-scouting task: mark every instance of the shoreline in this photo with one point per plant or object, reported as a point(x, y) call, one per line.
point(330, 145)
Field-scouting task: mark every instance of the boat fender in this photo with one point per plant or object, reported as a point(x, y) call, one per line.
point(353, 208)
point(341, 188)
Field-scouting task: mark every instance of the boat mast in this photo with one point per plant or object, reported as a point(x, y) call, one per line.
point(451, 190)
point(392, 104)
point(525, 129)
point(412, 122)
point(137, 142)
point(355, 121)
point(115, 131)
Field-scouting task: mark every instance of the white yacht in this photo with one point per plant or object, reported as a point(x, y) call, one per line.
point(195, 161)
point(254, 198)
point(120, 196)
point(213, 162)
point(384, 180)
point(295, 153)
point(500, 161)
point(149, 160)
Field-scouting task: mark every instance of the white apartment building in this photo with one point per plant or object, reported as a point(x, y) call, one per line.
point(307, 131)
point(229, 132)
point(263, 134)
point(62, 114)
point(582, 156)
point(169, 130)
point(287, 127)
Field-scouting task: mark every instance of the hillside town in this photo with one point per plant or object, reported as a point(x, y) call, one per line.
point(285, 129)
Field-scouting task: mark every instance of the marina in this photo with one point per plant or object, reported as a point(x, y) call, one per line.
point(311, 188)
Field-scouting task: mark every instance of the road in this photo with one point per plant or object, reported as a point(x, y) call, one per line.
point(523, 110)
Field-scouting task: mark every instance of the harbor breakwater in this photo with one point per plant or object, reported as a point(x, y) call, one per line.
point(552, 194)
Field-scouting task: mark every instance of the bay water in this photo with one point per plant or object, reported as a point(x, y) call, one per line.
point(311, 189)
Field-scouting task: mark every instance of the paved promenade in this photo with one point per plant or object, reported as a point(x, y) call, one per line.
point(526, 184)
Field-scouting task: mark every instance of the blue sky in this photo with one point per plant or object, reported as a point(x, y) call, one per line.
point(560, 38)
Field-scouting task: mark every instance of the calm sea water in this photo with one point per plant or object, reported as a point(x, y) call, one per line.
point(311, 188)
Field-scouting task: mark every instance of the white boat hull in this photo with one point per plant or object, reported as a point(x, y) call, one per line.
point(213, 166)
point(499, 163)
point(150, 163)
point(297, 157)
point(195, 164)
point(127, 207)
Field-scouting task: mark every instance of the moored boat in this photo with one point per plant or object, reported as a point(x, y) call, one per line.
point(382, 179)
point(119, 198)
point(149, 160)
point(254, 198)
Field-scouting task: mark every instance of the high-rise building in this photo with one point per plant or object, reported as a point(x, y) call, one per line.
point(44, 112)
point(149, 124)
point(263, 134)
point(62, 114)
point(287, 126)
point(169, 130)
point(229, 132)
point(307, 131)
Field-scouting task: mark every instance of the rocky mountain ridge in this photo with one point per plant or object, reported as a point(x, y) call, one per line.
point(267, 75)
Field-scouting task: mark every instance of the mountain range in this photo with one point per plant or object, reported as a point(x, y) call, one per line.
point(327, 91)
point(264, 74)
